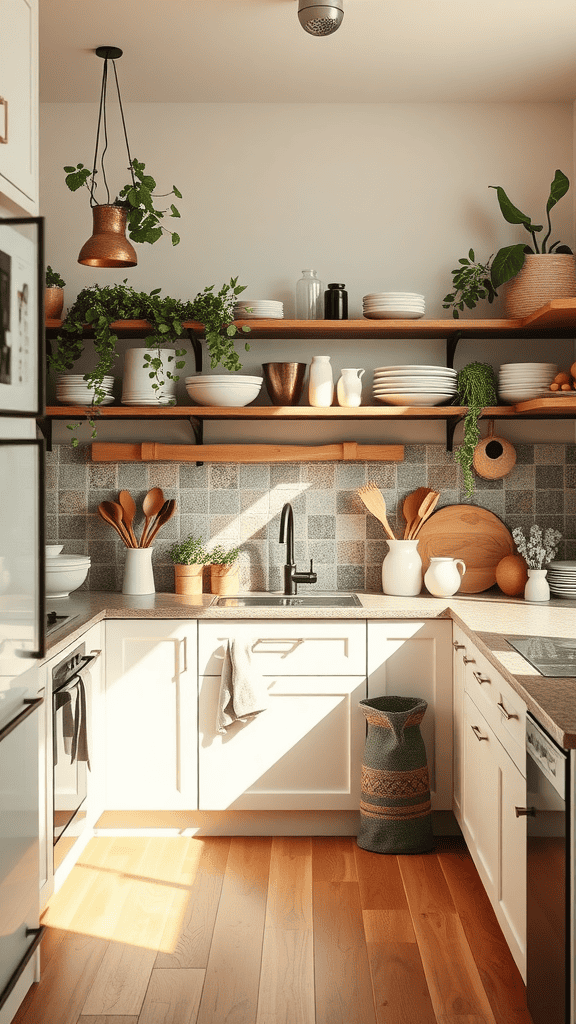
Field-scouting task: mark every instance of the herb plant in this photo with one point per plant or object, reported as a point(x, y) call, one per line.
point(219, 556)
point(477, 389)
point(470, 283)
point(189, 552)
point(53, 279)
point(137, 198)
point(540, 548)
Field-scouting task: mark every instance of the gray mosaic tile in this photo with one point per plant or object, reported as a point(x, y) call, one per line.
point(72, 478)
point(255, 502)
point(350, 475)
point(415, 453)
point(348, 503)
point(71, 502)
point(569, 527)
point(320, 502)
point(524, 453)
point(549, 477)
point(280, 495)
point(522, 522)
point(570, 453)
point(254, 477)
point(225, 530)
point(549, 503)
point(95, 496)
point(383, 474)
point(491, 500)
point(375, 530)
point(550, 454)
point(438, 455)
point(482, 484)
point(101, 551)
point(570, 476)
point(224, 502)
point(351, 527)
point(164, 476)
point(163, 578)
point(321, 551)
point(222, 477)
point(321, 527)
point(570, 503)
point(441, 477)
point(326, 579)
point(350, 552)
point(410, 476)
point(376, 551)
point(254, 556)
point(74, 456)
point(71, 527)
point(252, 579)
point(193, 500)
point(51, 502)
point(103, 577)
point(518, 503)
point(103, 475)
point(196, 526)
point(374, 579)
point(52, 457)
point(51, 477)
point(320, 474)
point(277, 552)
point(193, 476)
point(351, 577)
point(285, 474)
point(254, 527)
point(570, 549)
point(449, 497)
point(520, 478)
point(75, 547)
point(132, 477)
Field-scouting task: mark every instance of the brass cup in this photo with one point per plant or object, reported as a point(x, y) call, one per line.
point(284, 382)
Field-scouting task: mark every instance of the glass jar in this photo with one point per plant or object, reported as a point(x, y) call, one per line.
point(309, 290)
point(336, 302)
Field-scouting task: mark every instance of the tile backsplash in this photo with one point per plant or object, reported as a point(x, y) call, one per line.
point(232, 504)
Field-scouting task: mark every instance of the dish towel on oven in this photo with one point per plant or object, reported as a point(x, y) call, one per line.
point(243, 692)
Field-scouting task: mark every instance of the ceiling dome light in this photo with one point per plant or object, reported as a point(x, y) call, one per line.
point(320, 19)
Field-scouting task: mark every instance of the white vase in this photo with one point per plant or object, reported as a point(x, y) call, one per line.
point(320, 383)
point(402, 569)
point(138, 574)
point(349, 388)
point(537, 588)
point(442, 578)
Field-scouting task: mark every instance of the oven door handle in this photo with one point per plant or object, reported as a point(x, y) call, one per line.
point(87, 660)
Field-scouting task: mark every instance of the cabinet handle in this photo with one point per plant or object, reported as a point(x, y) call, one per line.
point(477, 733)
point(480, 679)
point(525, 812)
point(4, 103)
point(506, 714)
point(457, 646)
point(468, 661)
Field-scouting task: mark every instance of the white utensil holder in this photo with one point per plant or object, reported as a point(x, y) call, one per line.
point(138, 573)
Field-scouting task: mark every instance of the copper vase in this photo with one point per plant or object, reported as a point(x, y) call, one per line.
point(108, 245)
point(284, 382)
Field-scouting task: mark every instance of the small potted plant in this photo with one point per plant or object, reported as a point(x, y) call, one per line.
point(534, 273)
point(224, 575)
point(189, 557)
point(53, 295)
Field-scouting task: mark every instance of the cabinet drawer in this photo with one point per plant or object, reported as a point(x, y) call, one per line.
point(503, 708)
point(287, 647)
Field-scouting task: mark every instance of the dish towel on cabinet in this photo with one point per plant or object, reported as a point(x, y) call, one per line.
point(243, 691)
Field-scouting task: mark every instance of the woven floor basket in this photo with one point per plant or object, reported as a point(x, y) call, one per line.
point(395, 814)
point(543, 277)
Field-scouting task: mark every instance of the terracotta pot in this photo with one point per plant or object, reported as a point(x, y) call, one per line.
point(224, 579)
point(544, 276)
point(53, 302)
point(188, 578)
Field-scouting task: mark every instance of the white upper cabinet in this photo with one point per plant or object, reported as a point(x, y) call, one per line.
point(19, 103)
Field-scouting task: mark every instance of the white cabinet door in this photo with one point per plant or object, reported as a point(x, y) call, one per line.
point(151, 715)
point(19, 102)
point(480, 795)
point(287, 647)
point(303, 752)
point(460, 647)
point(413, 659)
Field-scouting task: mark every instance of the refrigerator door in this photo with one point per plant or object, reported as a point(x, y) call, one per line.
point(21, 570)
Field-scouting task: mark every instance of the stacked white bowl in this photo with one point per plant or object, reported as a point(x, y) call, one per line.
point(562, 579)
point(394, 306)
point(414, 385)
point(64, 572)
point(519, 382)
point(138, 385)
point(72, 389)
point(223, 389)
point(258, 309)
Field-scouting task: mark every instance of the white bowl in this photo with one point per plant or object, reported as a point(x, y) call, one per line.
point(52, 550)
point(61, 579)
point(232, 393)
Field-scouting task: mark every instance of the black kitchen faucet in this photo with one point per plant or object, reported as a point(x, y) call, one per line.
point(291, 575)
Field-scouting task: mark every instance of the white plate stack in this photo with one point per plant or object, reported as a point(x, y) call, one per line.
point(137, 384)
point(258, 309)
point(72, 389)
point(414, 385)
point(561, 577)
point(394, 306)
point(519, 382)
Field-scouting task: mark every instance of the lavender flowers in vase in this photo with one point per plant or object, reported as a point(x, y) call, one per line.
point(538, 551)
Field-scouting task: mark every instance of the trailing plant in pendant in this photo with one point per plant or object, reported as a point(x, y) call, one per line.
point(477, 388)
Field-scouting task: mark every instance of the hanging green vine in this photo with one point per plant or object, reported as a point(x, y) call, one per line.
point(477, 388)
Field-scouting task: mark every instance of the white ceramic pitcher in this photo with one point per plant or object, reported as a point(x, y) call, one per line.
point(349, 387)
point(442, 578)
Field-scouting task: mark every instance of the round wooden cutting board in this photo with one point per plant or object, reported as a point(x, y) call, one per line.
point(473, 534)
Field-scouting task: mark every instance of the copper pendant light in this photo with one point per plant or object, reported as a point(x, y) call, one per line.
point(108, 245)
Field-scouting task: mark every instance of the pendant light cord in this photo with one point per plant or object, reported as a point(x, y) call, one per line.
point(102, 122)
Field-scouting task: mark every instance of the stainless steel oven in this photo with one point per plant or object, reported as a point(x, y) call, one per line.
point(71, 727)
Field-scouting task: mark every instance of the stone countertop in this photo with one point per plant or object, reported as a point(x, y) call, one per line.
point(488, 618)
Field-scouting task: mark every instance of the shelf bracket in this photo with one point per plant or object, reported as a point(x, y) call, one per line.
point(451, 425)
point(197, 346)
point(198, 430)
point(44, 424)
point(451, 346)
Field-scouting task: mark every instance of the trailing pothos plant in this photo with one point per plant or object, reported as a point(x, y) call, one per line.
point(98, 307)
point(137, 198)
point(477, 389)
point(472, 280)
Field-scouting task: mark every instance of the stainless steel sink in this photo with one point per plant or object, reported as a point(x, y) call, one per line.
point(297, 601)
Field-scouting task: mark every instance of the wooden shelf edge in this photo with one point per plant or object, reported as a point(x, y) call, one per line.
point(265, 412)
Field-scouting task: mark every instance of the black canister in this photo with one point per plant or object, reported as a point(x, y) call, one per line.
point(336, 302)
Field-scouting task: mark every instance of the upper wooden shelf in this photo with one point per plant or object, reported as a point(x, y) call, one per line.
point(556, 317)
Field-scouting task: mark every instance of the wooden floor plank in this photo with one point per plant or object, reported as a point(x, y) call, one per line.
point(107, 1019)
point(425, 885)
point(388, 926)
point(230, 994)
point(186, 940)
point(60, 995)
point(343, 982)
point(334, 859)
point(380, 881)
point(286, 993)
point(173, 997)
point(500, 976)
point(400, 990)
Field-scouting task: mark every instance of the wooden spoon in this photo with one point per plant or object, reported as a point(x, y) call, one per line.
point(426, 509)
point(410, 508)
point(128, 505)
point(151, 506)
point(371, 496)
point(112, 513)
point(166, 513)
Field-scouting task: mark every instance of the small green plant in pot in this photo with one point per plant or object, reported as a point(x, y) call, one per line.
point(54, 294)
point(477, 388)
point(189, 557)
point(224, 574)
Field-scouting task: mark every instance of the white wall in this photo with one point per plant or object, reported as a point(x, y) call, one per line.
point(378, 196)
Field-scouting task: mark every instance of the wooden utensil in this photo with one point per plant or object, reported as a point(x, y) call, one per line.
point(151, 506)
point(128, 505)
point(111, 512)
point(429, 504)
point(167, 512)
point(410, 508)
point(471, 533)
point(371, 496)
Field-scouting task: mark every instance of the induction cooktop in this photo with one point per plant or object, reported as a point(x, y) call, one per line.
point(552, 656)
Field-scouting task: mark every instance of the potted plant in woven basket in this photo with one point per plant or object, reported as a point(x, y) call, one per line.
point(53, 295)
point(224, 574)
point(189, 559)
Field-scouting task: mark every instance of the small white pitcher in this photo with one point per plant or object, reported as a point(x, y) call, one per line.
point(349, 387)
point(442, 578)
point(402, 569)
